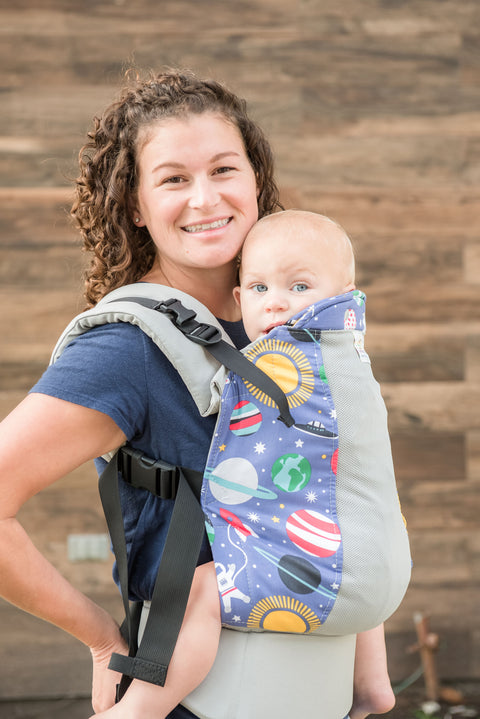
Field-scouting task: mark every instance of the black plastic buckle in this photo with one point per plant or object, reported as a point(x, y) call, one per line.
point(143, 472)
point(183, 318)
point(177, 312)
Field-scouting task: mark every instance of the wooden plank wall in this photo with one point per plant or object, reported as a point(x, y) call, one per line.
point(373, 109)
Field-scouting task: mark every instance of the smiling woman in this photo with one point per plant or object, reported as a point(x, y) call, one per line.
point(197, 196)
point(172, 177)
point(147, 114)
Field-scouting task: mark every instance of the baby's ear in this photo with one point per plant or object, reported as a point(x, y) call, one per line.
point(236, 295)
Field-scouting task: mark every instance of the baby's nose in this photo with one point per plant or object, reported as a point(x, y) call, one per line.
point(276, 302)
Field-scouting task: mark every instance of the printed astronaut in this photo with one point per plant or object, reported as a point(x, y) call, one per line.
point(227, 588)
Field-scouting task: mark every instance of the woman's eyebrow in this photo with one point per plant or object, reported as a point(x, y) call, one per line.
point(172, 164)
point(221, 155)
point(179, 165)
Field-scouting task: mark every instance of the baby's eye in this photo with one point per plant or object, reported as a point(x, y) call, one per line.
point(259, 287)
point(300, 287)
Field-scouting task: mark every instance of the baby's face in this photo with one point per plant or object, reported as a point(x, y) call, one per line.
point(284, 273)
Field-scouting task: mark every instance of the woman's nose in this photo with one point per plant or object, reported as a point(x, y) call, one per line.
point(204, 194)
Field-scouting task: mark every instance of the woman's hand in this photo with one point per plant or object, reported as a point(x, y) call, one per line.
point(42, 440)
point(104, 681)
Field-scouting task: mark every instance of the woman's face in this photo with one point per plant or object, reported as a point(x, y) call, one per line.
point(197, 192)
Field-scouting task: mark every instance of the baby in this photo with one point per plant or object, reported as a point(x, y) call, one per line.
point(290, 260)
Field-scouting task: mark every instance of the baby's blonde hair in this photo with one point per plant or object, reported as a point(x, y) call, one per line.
point(299, 220)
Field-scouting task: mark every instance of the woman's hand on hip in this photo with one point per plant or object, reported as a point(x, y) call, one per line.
point(104, 681)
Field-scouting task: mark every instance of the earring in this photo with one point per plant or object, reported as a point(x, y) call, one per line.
point(137, 219)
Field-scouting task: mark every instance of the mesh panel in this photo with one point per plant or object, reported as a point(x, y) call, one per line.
point(376, 552)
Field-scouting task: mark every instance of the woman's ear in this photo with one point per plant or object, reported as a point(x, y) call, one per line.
point(138, 220)
point(136, 216)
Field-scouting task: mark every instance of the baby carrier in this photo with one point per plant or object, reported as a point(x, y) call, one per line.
point(317, 525)
point(304, 520)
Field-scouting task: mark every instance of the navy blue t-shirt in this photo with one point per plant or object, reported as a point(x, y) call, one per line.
point(118, 370)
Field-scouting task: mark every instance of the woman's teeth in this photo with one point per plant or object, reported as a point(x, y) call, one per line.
point(207, 225)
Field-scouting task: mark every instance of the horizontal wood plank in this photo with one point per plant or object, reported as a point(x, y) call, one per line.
point(373, 113)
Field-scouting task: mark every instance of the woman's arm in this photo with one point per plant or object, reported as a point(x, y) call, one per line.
point(42, 440)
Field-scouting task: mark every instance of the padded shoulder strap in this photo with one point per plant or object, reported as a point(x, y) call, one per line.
point(197, 368)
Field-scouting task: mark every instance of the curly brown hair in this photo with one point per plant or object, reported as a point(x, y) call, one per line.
point(107, 184)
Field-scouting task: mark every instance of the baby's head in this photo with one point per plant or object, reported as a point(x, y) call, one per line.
point(290, 260)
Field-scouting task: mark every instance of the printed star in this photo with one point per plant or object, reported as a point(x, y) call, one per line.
point(334, 585)
point(222, 447)
point(299, 443)
point(275, 519)
point(253, 517)
point(311, 496)
point(333, 413)
point(236, 618)
point(259, 448)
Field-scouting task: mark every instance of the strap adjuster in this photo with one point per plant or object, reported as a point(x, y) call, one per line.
point(143, 472)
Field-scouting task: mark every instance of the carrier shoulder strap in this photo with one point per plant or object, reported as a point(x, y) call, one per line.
point(160, 316)
point(152, 308)
point(196, 367)
point(210, 337)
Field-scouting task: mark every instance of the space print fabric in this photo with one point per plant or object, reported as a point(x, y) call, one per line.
point(269, 491)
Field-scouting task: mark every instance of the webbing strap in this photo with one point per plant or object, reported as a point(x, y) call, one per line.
point(112, 508)
point(150, 660)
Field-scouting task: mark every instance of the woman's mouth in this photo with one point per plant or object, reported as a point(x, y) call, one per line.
point(204, 226)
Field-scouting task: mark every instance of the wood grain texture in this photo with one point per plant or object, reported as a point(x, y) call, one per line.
point(373, 111)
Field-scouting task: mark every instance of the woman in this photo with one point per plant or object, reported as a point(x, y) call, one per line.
point(172, 178)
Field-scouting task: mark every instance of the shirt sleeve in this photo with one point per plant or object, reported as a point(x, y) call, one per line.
point(103, 369)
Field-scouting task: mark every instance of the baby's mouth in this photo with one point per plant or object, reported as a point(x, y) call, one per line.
point(204, 226)
point(271, 327)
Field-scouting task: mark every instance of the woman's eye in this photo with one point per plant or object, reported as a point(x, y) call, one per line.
point(174, 180)
point(300, 287)
point(223, 170)
point(259, 288)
